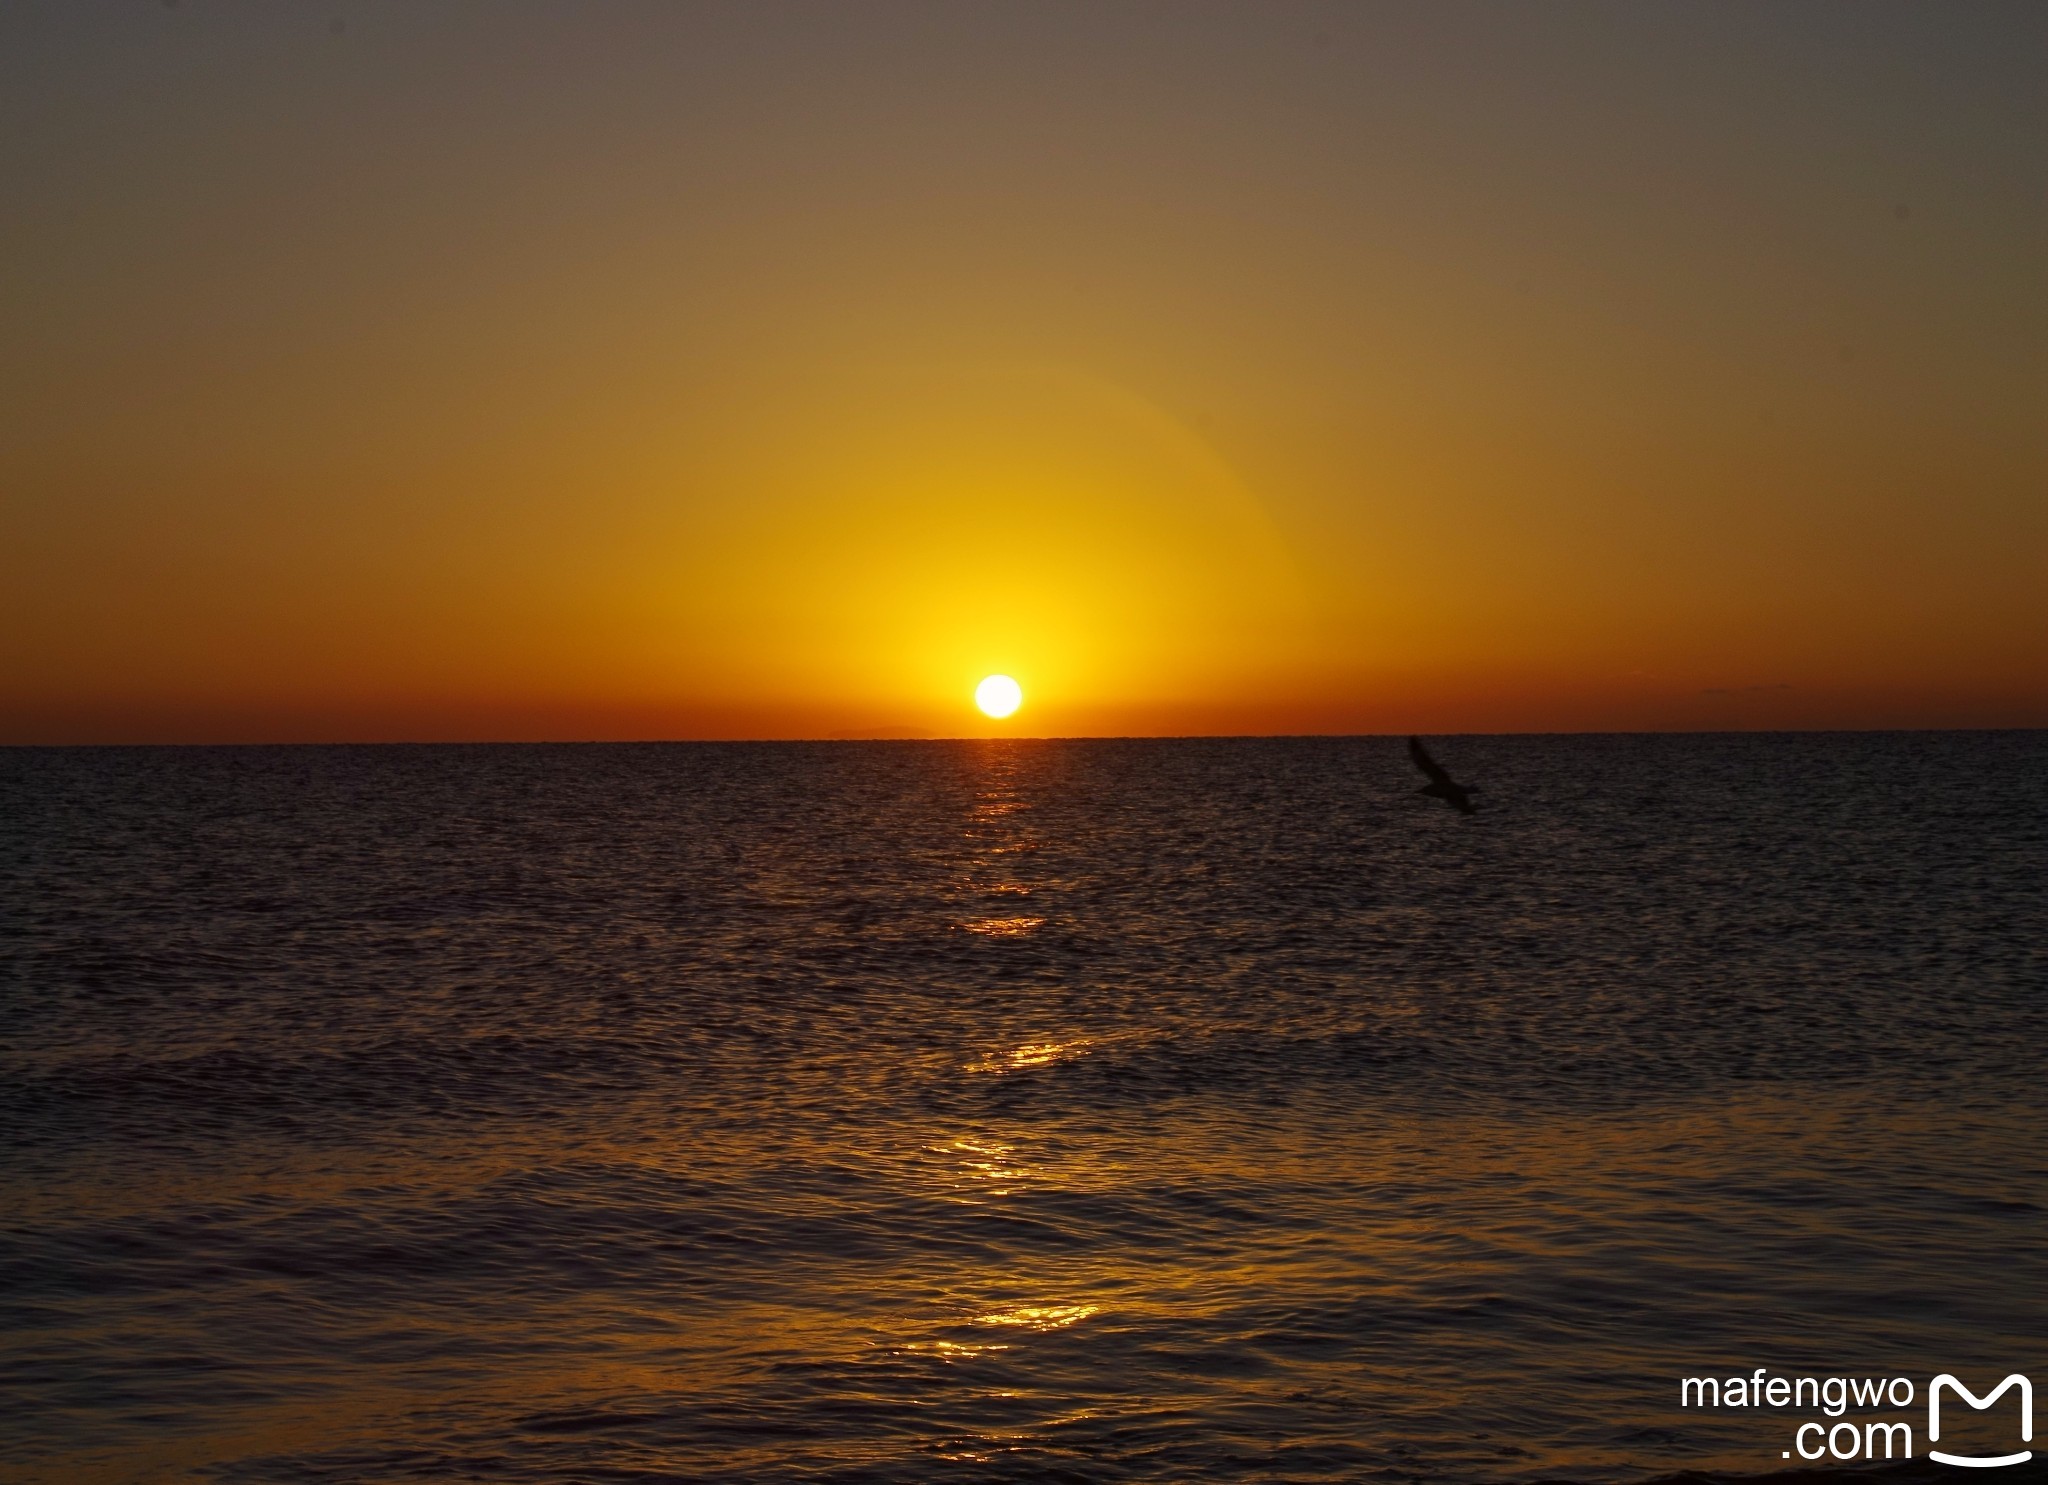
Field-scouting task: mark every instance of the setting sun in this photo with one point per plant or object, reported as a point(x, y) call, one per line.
point(998, 696)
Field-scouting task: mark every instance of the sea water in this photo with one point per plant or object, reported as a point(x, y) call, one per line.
point(1095, 1110)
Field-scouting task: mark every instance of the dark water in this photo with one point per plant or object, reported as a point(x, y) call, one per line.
point(1106, 1110)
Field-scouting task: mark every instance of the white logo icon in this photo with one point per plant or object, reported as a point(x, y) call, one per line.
point(1980, 1403)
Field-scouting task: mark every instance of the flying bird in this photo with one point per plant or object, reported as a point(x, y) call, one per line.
point(1441, 785)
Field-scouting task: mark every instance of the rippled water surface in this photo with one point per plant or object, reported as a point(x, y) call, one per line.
point(962, 1111)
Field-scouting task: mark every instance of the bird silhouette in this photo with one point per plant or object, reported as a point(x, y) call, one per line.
point(1441, 785)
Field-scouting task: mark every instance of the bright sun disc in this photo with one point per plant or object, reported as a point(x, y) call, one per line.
point(998, 696)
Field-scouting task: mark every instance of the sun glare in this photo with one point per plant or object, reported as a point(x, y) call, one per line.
point(998, 696)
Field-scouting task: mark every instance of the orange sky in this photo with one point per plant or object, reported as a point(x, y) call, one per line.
point(751, 370)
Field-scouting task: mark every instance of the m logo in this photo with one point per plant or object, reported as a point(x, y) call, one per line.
point(1980, 1403)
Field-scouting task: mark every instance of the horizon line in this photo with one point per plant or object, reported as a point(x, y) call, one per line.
point(837, 740)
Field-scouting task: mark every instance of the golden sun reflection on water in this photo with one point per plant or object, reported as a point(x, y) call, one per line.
point(951, 1351)
point(1003, 927)
point(989, 834)
point(987, 1161)
point(1032, 1054)
point(982, 1170)
point(1043, 1053)
point(1039, 1317)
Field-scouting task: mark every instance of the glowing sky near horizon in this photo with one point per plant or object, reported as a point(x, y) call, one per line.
point(426, 370)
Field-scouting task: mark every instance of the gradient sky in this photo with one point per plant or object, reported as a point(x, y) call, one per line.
point(497, 370)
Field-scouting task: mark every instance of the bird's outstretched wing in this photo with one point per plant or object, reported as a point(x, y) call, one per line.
point(1426, 763)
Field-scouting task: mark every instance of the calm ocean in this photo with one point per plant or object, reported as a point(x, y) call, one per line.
point(1147, 1110)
